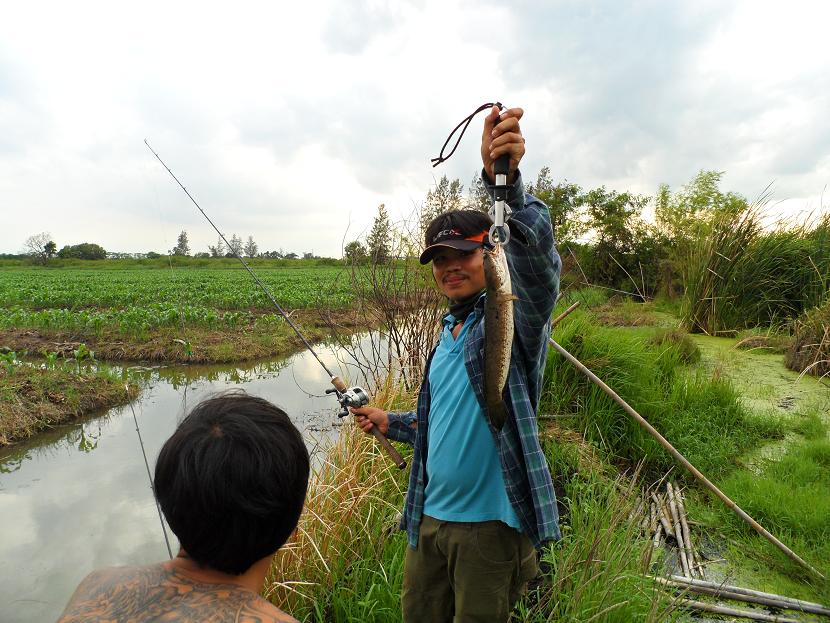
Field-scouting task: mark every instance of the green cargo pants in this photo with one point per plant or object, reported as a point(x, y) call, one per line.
point(466, 572)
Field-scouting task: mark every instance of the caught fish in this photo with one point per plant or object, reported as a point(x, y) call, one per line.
point(498, 333)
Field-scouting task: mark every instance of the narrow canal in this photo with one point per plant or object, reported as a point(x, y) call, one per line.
point(78, 497)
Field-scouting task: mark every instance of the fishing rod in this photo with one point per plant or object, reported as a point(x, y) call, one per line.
point(347, 397)
point(147, 465)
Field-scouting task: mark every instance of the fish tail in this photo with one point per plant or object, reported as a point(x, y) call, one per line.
point(498, 414)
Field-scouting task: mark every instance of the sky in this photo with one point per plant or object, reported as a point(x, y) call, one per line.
point(292, 122)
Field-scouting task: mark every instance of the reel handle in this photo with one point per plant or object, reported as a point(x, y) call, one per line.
point(340, 387)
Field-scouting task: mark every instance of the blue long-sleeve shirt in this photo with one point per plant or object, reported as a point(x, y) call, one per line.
point(534, 271)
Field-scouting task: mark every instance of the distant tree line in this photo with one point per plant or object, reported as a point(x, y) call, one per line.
point(41, 248)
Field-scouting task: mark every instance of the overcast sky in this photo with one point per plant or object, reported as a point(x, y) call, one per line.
point(293, 124)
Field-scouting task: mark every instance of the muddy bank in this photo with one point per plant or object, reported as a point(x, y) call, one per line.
point(34, 399)
point(187, 345)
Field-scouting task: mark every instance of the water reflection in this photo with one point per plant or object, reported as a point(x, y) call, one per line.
point(77, 497)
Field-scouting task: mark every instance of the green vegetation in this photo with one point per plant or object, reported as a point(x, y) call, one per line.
point(347, 560)
point(34, 397)
point(691, 408)
point(224, 289)
point(810, 349)
point(183, 314)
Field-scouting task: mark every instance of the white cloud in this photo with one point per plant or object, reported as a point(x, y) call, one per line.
point(291, 122)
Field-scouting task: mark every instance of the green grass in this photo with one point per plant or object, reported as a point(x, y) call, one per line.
point(691, 408)
point(33, 398)
point(597, 571)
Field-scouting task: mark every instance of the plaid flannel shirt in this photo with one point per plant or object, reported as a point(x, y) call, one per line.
point(534, 271)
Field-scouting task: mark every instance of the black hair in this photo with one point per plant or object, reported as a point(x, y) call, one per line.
point(468, 222)
point(232, 481)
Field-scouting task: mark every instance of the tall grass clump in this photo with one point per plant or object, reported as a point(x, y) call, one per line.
point(710, 269)
point(739, 276)
point(345, 560)
point(700, 414)
point(597, 572)
point(810, 349)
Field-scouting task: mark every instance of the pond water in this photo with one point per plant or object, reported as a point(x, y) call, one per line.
point(78, 496)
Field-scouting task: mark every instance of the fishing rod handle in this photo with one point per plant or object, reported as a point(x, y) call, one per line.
point(382, 440)
point(396, 457)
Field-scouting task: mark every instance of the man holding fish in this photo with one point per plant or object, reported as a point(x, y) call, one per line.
point(480, 500)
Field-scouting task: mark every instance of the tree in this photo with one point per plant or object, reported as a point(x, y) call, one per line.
point(565, 202)
point(40, 247)
point(83, 251)
point(380, 237)
point(444, 197)
point(218, 250)
point(182, 246)
point(235, 246)
point(355, 252)
point(478, 198)
point(687, 214)
point(251, 247)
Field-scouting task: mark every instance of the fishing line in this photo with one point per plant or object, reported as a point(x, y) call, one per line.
point(244, 264)
point(347, 397)
point(149, 476)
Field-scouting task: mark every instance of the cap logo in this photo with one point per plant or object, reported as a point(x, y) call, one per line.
point(446, 233)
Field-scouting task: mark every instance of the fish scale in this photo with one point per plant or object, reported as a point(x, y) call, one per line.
point(498, 333)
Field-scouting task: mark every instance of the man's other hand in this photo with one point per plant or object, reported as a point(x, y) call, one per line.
point(368, 417)
point(502, 137)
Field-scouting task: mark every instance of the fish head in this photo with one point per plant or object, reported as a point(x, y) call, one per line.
point(496, 272)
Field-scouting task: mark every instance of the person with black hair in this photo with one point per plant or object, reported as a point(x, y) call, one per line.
point(231, 482)
point(480, 500)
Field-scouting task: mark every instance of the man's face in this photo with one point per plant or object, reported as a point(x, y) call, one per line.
point(459, 274)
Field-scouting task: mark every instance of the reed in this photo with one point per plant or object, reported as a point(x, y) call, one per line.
point(739, 275)
point(348, 531)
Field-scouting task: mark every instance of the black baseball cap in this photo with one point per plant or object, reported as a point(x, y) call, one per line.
point(464, 230)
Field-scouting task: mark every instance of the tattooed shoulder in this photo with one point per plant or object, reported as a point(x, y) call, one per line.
point(138, 594)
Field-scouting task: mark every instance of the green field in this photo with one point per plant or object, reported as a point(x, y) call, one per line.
point(222, 289)
point(178, 313)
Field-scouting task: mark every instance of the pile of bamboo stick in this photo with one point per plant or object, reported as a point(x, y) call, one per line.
point(662, 518)
point(665, 521)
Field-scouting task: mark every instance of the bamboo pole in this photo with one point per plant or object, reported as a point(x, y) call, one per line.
point(678, 531)
point(684, 461)
point(661, 515)
point(687, 534)
point(691, 604)
point(724, 594)
point(787, 602)
point(559, 318)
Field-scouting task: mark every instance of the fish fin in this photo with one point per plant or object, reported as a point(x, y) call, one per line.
point(497, 414)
